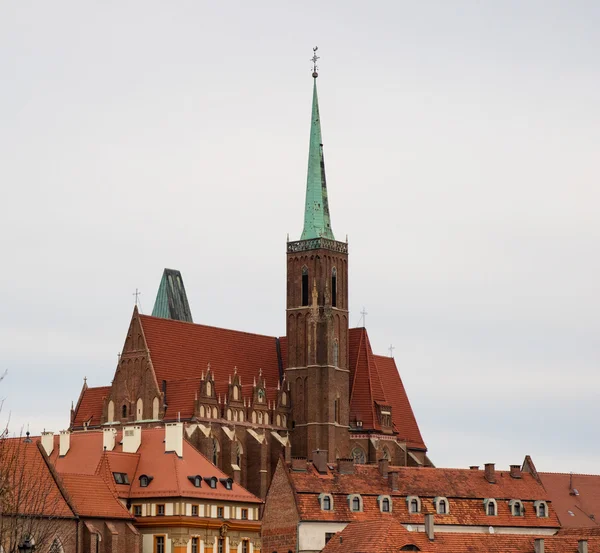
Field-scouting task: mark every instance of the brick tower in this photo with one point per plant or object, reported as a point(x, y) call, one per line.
point(317, 319)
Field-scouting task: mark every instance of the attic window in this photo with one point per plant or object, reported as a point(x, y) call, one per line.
point(355, 502)
point(541, 508)
point(196, 480)
point(326, 502)
point(414, 504)
point(516, 507)
point(441, 505)
point(490, 507)
point(385, 503)
point(121, 477)
point(227, 482)
point(145, 480)
point(211, 481)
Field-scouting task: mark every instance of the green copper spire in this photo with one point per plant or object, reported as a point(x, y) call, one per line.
point(316, 213)
point(171, 300)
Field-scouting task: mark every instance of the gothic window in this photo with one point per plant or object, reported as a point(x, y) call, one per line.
point(155, 407)
point(278, 419)
point(359, 456)
point(111, 411)
point(261, 395)
point(266, 418)
point(305, 285)
point(139, 411)
point(386, 454)
point(56, 547)
point(336, 353)
point(202, 413)
point(238, 454)
point(236, 393)
point(334, 287)
point(260, 417)
point(208, 389)
point(336, 409)
point(235, 415)
point(283, 420)
point(215, 413)
point(254, 417)
point(229, 414)
point(124, 411)
point(215, 452)
point(283, 398)
point(241, 416)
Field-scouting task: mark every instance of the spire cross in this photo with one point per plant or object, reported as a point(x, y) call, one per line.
point(137, 295)
point(364, 316)
point(391, 350)
point(314, 61)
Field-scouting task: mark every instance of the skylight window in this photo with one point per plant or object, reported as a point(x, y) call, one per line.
point(121, 477)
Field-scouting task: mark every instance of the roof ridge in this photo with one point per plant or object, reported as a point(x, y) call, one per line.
point(173, 321)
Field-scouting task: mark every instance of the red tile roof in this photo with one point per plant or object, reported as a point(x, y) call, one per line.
point(90, 406)
point(573, 510)
point(181, 351)
point(29, 486)
point(91, 497)
point(170, 472)
point(464, 489)
point(389, 536)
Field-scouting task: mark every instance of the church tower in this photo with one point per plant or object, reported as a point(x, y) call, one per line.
point(317, 318)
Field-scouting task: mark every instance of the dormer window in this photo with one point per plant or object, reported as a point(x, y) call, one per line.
point(516, 507)
point(326, 502)
point(195, 480)
point(441, 505)
point(385, 503)
point(355, 503)
point(212, 481)
point(121, 477)
point(414, 504)
point(227, 482)
point(491, 509)
point(541, 508)
point(145, 480)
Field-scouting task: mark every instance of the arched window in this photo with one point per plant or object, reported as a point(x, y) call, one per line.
point(327, 503)
point(144, 481)
point(202, 412)
point(490, 507)
point(334, 287)
point(305, 285)
point(442, 507)
point(386, 454)
point(236, 393)
point(359, 456)
point(355, 502)
point(155, 408)
point(283, 420)
point(414, 506)
point(278, 419)
point(516, 507)
point(208, 389)
point(336, 353)
point(266, 418)
point(254, 417)
point(385, 505)
point(235, 415)
point(56, 547)
point(260, 417)
point(283, 398)
point(491, 510)
point(238, 454)
point(215, 413)
point(139, 410)
point(261, 395)
point(229, 414)
point(215, 452)
point(124, 411)
point(111, 411)
point(241, 416)
point(542, 510)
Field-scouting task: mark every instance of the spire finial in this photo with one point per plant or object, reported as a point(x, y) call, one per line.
point(314, 60)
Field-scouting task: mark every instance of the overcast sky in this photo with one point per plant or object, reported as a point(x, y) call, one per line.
point(462, 144)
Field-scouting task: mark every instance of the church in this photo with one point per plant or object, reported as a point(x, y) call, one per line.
point(246, 399)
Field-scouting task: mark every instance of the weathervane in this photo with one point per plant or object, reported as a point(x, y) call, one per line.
point(314, 60)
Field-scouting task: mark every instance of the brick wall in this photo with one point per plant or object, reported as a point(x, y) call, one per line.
point(280, 516)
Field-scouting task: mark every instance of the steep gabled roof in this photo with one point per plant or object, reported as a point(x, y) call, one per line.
point(92, 497)
point(89, 407)
point(180, 351)
point(576, 498)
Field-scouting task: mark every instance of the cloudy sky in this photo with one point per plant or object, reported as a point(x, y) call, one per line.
point(462, 146)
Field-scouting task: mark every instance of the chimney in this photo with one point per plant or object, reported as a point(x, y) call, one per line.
point(64, 442)
point(515, 471)
point(346, 466)
point(319, 459)
point(582, 546)
point(132, 438)
point(108, 438)
point(393, 480)
point(384, 465)
point(490, 473)
point(48, 442)
point(474, 467)
point(429, 529)
point(538, 545)
point(174, 438)
point(299, 464)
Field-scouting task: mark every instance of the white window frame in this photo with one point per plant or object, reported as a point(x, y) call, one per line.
point(322, 496)
point(486, 503)
point(380, 499)
point(514, 503)
point(351, 498)
point(437, 501)
point(537, 505)
point(409, 500)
